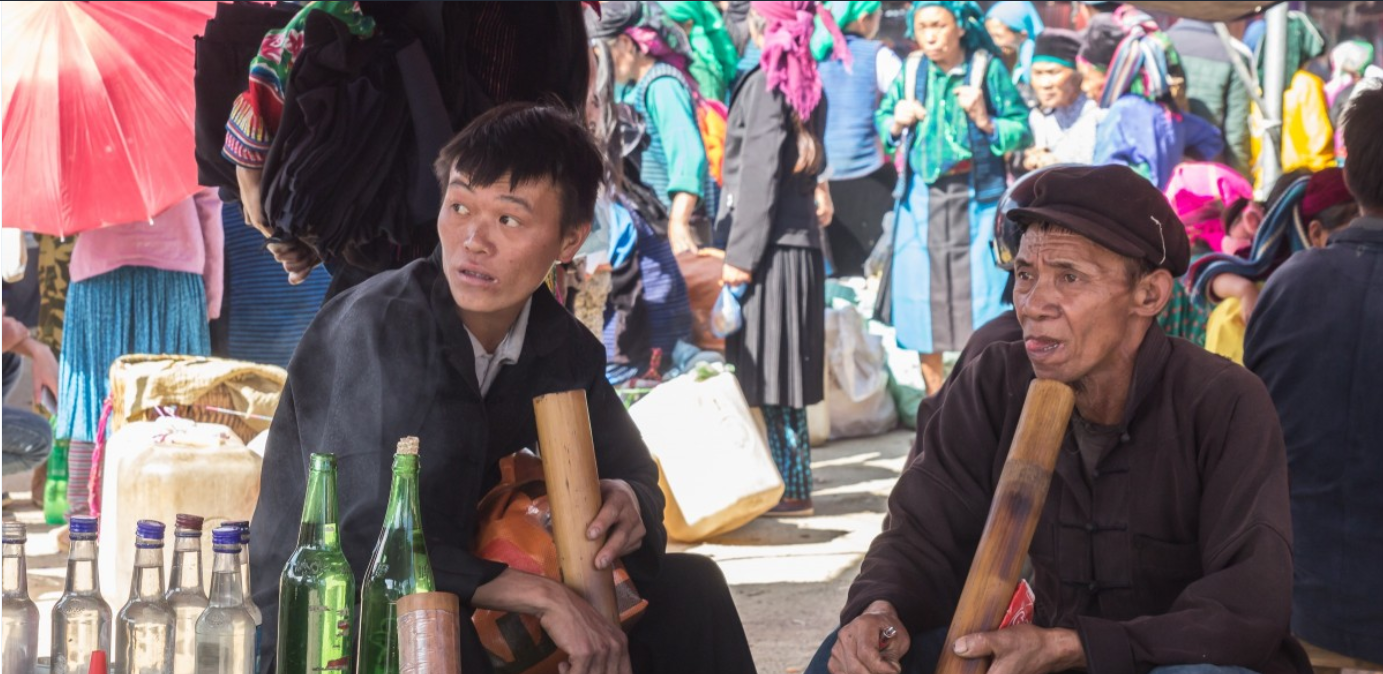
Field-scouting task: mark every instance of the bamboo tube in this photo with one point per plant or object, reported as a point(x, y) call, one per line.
point(1013, 516)
point(573, 490)
point(429, 633)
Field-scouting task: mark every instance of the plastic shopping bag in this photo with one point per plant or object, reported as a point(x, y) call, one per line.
point(726, 316)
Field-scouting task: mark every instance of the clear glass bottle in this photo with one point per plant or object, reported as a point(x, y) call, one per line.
point(81, 618)
point(245, 590)
point(225, 632)
point(317, 588)
point(20, 613)
point(144, 627)
point(399, 566)
point(185, 594)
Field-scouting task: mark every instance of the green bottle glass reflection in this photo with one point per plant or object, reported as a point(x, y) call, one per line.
point(317, 588)
point(398, 567)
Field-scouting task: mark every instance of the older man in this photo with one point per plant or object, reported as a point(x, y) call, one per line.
point(1064, 121)
point(1166, 536)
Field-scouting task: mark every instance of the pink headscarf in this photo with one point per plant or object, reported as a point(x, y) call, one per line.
point(1199, 192)
point(787, 56)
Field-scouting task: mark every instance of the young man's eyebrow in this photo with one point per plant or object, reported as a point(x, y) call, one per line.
point(516, 200)
point(458, 182)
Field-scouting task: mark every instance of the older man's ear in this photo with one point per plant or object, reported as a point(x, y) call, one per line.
point(1152, 293)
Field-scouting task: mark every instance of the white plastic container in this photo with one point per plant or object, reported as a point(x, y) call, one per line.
point(715, 468)
point(157, 469)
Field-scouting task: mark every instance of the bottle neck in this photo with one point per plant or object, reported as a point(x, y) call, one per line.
point(225, 581)
point(148, 574)
point(402, 510)
point(318, 528)
point(81, 569)
point(187, 564)
point(16, 574)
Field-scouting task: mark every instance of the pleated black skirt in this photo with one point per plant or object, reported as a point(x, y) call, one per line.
point(779, 354)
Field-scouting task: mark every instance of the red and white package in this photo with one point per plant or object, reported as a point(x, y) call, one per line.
point(1020, 608)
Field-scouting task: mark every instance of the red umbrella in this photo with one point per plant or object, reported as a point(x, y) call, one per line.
point(98, 111)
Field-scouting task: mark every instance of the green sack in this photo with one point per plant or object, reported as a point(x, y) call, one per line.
point(907, 399)
point(55, 488)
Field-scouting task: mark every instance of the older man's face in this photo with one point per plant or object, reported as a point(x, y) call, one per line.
point(1076, 305)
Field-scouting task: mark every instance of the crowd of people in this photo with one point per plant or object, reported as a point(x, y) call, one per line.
point(1084, 203)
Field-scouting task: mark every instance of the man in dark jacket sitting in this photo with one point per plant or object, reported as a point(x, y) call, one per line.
point(1165, 539)
point(452, 350)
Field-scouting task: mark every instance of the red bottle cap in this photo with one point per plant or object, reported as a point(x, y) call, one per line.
point(98, 663)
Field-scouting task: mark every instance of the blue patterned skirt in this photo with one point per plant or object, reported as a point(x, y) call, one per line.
point(126, 311)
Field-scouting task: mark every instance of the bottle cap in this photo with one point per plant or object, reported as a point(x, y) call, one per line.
point(150, 530)
point(15, 533)
point(408, 445)
point(192, 524)
point(97, 664)
point(82, 528)
point(243, 526)
point(226, 537)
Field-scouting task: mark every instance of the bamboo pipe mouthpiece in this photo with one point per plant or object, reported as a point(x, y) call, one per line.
point(1013, 516)
point(573, 491)
point(429, 633)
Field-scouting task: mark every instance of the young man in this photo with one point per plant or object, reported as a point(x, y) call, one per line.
point(453, 349)
point(1165, 538)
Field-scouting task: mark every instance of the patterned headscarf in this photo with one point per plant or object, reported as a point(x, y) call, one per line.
point(787, 57)
point(1140, 62)
point(970, 18)
point(846, 13)
point(1020, 17)
point(714, 57)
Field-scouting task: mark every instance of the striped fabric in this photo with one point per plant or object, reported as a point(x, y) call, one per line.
point(1280, 235)
point(265, 315)
point(129, 310)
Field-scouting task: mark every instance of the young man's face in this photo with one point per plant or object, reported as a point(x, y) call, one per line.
point(499, 244)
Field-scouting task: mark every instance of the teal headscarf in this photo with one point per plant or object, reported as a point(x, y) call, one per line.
point(1020, 16)
point(970, 18)
point(845, 12)
point(714, 56)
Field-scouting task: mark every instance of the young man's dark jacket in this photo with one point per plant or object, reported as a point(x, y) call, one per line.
point(391, 358)
point(1175, 549)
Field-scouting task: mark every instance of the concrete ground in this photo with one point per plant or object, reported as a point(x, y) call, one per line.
point(788, 576)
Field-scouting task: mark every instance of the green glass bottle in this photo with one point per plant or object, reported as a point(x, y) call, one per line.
point(398, 567)
point(317, 588)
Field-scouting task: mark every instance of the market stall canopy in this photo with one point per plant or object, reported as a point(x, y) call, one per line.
point(98, 103)
point(1208, 11)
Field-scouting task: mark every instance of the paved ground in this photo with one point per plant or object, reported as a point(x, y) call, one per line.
point(789, 576)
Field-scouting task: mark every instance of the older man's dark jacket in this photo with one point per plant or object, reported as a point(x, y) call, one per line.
point(391, 358)
point(1176, 549)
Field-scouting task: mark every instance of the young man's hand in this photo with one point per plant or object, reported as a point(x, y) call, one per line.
point(592, 643)
point(825, 207)
point(1025, 649)
point(619, 517)
point(864, 647)
point(45, 369)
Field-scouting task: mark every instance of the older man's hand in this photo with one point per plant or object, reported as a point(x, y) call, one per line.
point(864, 647)
point(1025, 649)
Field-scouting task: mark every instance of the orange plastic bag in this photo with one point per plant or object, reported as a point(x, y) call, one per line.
point(515, 527)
